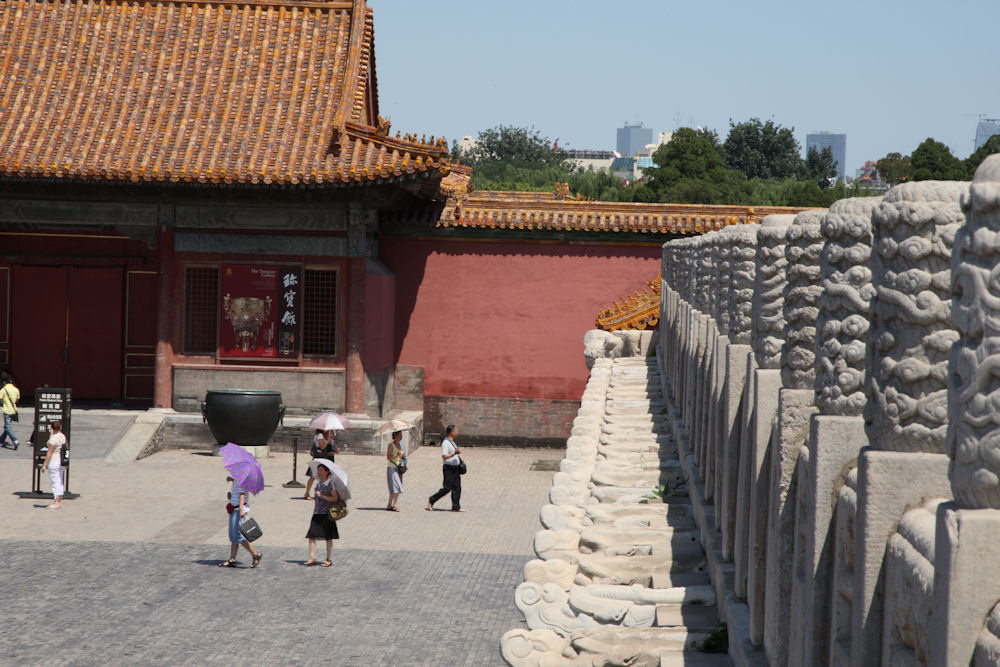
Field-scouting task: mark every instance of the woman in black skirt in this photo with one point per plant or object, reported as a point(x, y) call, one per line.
point(322, 527)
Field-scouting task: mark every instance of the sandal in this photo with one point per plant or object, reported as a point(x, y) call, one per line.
point(311, 561)
point(326, 563)
point(228, 563)
point(256, 560)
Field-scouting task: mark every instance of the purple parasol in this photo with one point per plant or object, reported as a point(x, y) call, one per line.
point(244, 467)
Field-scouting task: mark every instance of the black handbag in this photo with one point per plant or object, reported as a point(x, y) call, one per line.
point(462, 468)
point(250, 529)
point(401, 468)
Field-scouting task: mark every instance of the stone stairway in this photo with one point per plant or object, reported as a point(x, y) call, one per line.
point(620, 576)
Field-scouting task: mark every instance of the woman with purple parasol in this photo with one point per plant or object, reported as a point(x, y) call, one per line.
point(247, 479)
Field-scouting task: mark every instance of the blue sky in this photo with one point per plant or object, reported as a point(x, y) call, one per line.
point(887, 73)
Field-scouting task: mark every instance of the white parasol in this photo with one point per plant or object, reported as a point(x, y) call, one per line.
point(394, 425)
point(337, 474)
point(329, 421)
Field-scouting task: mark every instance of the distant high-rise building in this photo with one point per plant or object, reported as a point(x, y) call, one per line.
point(631, 138)
point(837, 143)
point(987, 128)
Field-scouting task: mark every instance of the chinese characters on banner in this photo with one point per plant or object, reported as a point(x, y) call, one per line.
point(289, 311)
point(260, 311)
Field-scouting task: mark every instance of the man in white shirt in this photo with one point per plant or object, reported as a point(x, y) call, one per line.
point(452, 479)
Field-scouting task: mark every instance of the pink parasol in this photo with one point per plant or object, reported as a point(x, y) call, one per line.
point(243, 466)
point(394, 425)
point(329, 421)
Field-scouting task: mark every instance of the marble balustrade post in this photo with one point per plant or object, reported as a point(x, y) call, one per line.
point(739, 247)
point(967, 571)
point(836, 433)
point(795, 408)
point(766, 338)
point(910, 337)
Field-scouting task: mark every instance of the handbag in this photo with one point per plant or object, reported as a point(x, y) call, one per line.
point(337, 510)
point(401, 468)
point(462, 468)
point(250, 529)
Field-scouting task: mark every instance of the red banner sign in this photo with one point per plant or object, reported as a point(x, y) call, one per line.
point(260, 311)
point(248, 311)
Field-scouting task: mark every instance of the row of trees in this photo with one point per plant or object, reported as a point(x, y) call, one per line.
point(758, 164)
point(933, 161)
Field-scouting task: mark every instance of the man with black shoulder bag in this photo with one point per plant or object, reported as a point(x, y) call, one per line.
point(453, 468)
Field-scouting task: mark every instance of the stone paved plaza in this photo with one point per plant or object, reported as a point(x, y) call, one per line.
point(127, 573)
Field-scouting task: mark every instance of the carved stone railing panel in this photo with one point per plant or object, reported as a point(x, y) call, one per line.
point(911, 332)
point(704, 282)
point(842, 323)
point(974, 388)
point(685, 268)
point(720, 273)
point(801, 297)
point(742, 268)
point(687, 265)
point(767, 335)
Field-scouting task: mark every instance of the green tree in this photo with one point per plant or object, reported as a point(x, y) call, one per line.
point(690, 154)
point(690, 170)
point(507, 143)
point(972, 162)
point(600, 185)
point(895, 168)
point(933, 161)
point(762, 150)
point(820, 166)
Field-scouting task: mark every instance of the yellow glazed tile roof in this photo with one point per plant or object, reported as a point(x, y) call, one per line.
point(254, 91)
point(557, 211)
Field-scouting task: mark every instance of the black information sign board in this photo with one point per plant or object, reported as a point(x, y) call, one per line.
point(50, 405)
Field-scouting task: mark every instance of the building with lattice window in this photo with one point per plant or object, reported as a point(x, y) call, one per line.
point(204, 195)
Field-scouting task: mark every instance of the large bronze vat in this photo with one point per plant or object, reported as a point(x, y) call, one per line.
point(244, 416)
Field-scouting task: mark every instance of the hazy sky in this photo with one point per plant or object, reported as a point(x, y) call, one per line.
point(887, 73)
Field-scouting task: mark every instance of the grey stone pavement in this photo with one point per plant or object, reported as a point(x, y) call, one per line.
point(127, 573)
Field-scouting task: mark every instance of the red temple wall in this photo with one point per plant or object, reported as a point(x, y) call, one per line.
point(505, 320)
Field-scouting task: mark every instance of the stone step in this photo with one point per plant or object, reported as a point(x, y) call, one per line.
point(625, 570)
point(674, 579)
point(694, 617)
point(693, 658)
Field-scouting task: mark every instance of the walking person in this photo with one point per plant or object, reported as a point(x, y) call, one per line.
point(322, 527)
point(9, 395)
point(237, 512)
point(324, 447)
point(53, 463)
point(452, 478)
point(394, 455)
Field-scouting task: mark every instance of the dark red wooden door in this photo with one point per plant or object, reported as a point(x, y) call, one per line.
point(94, 332)
point(38, 327)
point(67, 330)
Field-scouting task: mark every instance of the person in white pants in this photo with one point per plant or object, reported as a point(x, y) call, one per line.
point(53, 463)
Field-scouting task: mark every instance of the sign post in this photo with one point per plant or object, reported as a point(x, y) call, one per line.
point(50, 405)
